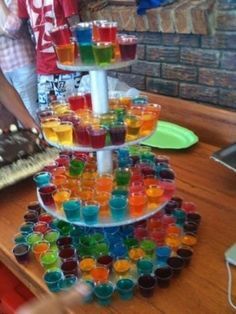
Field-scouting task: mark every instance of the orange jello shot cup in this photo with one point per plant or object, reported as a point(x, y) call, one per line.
point(122, 266)
point(87, 264)
point(154, 194)
point(100, 274)
point(60, 196)
point(136, 254)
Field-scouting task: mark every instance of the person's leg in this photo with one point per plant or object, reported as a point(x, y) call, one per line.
point(24, 80)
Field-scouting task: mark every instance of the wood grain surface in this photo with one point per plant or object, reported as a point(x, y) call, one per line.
point(213, 125)
point(202, 287)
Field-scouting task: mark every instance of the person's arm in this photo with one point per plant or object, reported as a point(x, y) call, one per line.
point(11, 100)
point(10, 23)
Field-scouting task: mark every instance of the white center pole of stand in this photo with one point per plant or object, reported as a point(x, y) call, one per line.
point(99, 92)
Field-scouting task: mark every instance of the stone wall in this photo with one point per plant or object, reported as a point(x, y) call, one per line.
point(201, 66)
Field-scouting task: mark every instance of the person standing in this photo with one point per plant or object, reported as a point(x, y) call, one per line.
point(17, 55)
point(43, 16)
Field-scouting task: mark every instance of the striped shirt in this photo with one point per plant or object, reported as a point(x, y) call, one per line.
point(18, 49)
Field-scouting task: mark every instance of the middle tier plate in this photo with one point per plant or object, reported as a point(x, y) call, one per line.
point(89, 149)
point(103, 220)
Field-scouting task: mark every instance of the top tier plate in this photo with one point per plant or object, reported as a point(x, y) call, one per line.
point(78, 66)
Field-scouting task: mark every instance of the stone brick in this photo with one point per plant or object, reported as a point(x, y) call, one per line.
point(153, 20)
point(149, 38)
point(164, 87)
point(124, 70)
point(179, 72)
point(141, 51)
point(199, 93)
point(221, 40)
point(228, 60)
point(128, 19)
point(141, 22)
point(227, 98)
point(188, 40)
point(202, 16)
point(226, 20)
point(221, 78)
point(165, 54)
point(226, 4)
point(182, 18)
point(200, 57)
point(133, 80)
point(166, 20)
point(146, 68)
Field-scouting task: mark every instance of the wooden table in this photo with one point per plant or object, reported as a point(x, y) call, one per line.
point(202, 288)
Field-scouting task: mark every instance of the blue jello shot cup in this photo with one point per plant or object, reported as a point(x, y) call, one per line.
point(162, 254)
point(42, 178)
point(144, 267)
point(68, 282)
point(72, 209)
point(90, 212)
point(125, 288)
point(104, 293)
point(53, 279)
point(118, 207)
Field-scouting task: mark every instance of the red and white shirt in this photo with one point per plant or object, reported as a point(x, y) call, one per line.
point(43, 16)
point(18, 50)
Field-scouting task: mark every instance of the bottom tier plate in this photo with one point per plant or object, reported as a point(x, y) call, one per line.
point(104, 220)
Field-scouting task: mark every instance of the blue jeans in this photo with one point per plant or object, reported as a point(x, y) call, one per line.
point(24, 80)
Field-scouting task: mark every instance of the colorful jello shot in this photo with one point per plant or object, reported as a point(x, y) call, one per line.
point(118, 207)
point(122, 266)
point(144, 267)
point(154, 194)
point(146, 285)
point(122, 176)
point(128, 47)
point(134, 124)
point(97, 137)
point(137, 203)
point(76, 167)
point(45, 217)
point(148, 246)
point(117, 132)
point(103, 199)
point(70, 267)
point(66, 53)
point(102, 53)
point(68, 253)
point(189, 239)
point(162, 254)
point(125, 288)
point(33, 238)
point(46, 193)
point(52, 278)
point(103, 292)
point(72, 209)
point(68, 282)
point(90, 212)
point(20, 238)
point(27, 228)
point(48, 129)
point(21, 252)
point(148, 123)
point(86, 264)
point(136, 254)
point(64, 132)
point(49, 259)
point(104, 182)
point(39, 248)
point(100, 274)
point(61, 196)
point(42, 178)
point(41, 227)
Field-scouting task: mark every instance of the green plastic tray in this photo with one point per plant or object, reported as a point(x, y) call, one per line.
point(171, 136)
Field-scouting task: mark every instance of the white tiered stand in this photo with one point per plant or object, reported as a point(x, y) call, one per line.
point(99, 93)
